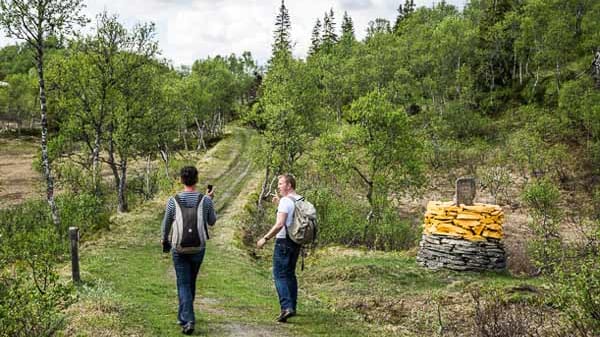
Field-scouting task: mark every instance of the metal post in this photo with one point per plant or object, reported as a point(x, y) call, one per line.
point(74, 238)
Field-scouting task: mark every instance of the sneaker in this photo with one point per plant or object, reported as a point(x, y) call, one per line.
point(284, 315)
point(188, 329)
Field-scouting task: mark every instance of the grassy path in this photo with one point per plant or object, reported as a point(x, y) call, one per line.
point(130, 285)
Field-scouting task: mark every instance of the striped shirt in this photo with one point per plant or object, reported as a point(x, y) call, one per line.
point(188, 199)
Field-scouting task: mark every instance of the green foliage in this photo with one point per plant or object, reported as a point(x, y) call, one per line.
point(577, 292)
point(282, 35)
point(537, 158)
point(32, 298)
point(15, 59)
point(18, 99)
point(340, 218)
point(25, 310)
point(541, 197)
point(84, 210)
point(495, 179)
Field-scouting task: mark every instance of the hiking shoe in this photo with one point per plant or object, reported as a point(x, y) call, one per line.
point(284, 315)
point(188, 329)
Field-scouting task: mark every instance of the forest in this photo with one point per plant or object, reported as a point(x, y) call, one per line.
point(505, 91)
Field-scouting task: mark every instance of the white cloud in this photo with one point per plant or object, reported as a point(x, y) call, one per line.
point(192, 29)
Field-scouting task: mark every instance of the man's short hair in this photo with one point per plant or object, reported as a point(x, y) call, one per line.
point(289, 179)
point(189, 175)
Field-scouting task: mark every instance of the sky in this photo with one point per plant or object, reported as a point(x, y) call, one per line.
point(188, 30)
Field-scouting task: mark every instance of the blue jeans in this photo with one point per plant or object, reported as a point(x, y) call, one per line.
point(285, 257)
point(186, 269)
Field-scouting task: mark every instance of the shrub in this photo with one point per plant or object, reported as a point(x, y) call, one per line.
point(26, 310)
point(84, 210)
point(495, 179)
point(73, 178)
point(577, 291)
point(31, 297)
point(496, 315)
point(255, 223)
point(542, 197)
point(340, 219)
point(395, 233)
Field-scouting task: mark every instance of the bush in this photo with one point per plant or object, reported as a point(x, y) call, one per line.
point(73, 178)
point(497, 315)
point(342, 220)
point(541, 198)
point(577, 291)
point(84, 210)
point(27, 310)
point(495, 179)
point(255, 223)
point(31, 297)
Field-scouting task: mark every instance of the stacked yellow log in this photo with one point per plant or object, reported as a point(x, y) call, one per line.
point(478, 222)
point(461, 237)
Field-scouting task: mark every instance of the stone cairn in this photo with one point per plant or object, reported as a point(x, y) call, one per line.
point(463, 235)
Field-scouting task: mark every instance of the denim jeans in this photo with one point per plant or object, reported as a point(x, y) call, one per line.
point(186, 269)
point(285, 257)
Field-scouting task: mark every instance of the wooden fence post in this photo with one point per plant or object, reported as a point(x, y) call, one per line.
point(74, 238)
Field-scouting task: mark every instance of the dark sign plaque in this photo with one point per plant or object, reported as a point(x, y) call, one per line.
point(465, 191)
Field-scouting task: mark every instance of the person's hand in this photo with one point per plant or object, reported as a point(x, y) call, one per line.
point(210, 193)
point(261, 243)
point(275, 199)
point(166, 246)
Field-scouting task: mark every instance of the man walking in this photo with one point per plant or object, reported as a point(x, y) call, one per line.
point(286, 251)
point(184, 233)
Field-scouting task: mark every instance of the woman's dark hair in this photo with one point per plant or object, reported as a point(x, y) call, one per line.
point(189, 175)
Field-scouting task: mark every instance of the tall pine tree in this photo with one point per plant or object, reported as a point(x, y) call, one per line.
point(347, 28)
point(330, 38)
point(282, 44)
point(403, 12)
point(315, 40)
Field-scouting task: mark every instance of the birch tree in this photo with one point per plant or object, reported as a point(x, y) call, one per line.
point(33, 21)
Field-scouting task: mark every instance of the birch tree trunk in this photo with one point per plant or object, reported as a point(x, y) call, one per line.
point(164, 155)
point(596, 69)
point(96, 160)
point(122, 193)
point(44, 141)
point(201, 143)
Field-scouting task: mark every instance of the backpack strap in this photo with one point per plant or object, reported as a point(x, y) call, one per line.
point(176, 236)
point(201, 204)
point(294, 200)
point(177, 200)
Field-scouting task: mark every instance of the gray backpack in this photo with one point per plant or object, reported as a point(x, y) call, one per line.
point(189, 228)
point(303, 229)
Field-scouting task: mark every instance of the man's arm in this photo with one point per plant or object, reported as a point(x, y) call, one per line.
point(209, 211)
point(281, 217)
point(165, 227)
